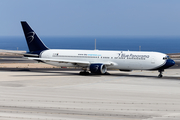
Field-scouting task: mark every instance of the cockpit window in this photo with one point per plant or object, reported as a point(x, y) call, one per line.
point(165, 58)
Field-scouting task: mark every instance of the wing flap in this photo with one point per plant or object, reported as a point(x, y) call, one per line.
point(60, 60)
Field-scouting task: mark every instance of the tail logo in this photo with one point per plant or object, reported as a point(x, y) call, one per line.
point(30, 36)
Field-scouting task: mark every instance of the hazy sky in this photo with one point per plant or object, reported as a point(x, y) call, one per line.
point(91, 17)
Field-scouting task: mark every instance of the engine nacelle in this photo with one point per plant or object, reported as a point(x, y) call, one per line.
point(98, 68)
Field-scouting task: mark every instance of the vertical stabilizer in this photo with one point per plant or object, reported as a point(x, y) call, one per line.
point(33, 41)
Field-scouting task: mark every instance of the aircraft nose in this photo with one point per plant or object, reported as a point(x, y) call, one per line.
point(170, 63)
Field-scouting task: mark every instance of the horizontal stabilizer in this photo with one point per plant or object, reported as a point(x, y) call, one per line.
point(19, 53)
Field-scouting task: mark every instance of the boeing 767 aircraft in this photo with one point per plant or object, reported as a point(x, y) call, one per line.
point(95, 61)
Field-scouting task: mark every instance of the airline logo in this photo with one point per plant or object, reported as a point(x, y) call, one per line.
point(30, 36)
point(132, 56)
point(96, 67)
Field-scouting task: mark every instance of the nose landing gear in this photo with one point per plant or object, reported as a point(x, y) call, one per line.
point(160, 73)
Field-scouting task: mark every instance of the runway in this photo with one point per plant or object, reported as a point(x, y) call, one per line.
point(63, 94)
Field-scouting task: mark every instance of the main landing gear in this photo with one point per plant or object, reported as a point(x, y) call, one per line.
point(84, 72)
point(160, 73)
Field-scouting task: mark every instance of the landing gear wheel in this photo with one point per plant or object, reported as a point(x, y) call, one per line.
point(160, 76)
point(106, 73)
point(84, 73)
point(160, 73)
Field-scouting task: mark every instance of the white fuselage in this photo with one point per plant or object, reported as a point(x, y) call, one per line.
point(123, 60)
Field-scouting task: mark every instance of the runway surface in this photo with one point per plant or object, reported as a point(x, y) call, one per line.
point(45, 94)
point(63, 94)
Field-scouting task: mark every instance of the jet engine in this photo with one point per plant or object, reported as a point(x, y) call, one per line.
point(98, 68)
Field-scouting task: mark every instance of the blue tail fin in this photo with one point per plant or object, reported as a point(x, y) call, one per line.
point(33, 41)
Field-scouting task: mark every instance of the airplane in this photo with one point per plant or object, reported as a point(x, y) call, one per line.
point(94, 61)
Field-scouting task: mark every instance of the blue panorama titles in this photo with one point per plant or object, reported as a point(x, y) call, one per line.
point(131, 56)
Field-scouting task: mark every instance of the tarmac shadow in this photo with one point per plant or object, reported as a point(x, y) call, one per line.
point(67, 72)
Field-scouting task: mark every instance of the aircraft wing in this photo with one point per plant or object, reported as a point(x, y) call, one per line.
point(69, 61)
